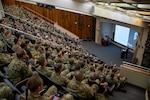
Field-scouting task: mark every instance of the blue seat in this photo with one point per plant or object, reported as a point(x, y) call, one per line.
point(14, 89)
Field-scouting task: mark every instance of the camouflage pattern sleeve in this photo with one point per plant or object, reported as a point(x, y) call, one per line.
point(25, 71)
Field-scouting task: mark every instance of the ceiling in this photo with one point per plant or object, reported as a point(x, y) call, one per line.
point(140, 5)
point(138, 8)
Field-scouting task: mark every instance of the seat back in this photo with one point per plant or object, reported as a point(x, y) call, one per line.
point(14, 89)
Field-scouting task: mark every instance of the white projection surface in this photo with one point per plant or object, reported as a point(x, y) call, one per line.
point(121, 35)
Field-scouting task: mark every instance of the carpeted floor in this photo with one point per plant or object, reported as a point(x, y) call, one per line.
point(111, 55)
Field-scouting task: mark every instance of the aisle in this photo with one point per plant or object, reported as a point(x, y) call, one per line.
point(111, 55)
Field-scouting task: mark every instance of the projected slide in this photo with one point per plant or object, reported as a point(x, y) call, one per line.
point(121, 35)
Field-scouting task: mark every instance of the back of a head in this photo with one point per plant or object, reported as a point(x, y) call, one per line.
point(15, 40)
point(47, 55)
point(93, 76)
point(79, 75)
point(78, 66)
point(112, 75)
point(71, 61)
point(82, 64)
point(1, 30)
point(58, 67)
point(41, 61)
point(92, 68)
point(58, 60)
point(23, 45)
point(34, 82)
point(20, 52)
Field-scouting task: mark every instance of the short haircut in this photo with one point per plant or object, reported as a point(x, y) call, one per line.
point(82, 64)
point(93, 76)
point(78, 66)
point(1, 30)
point(20, 52)
point(23, 45)
point(34, 82)
point(47, 55)
point(78, 75)
point(15, 40)
point(57, 67)
point(41, 61)
point(71, 61)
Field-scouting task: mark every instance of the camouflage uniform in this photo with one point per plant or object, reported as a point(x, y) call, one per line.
point(59, 79)
point(79, 89)
point(33, 97)
point(16, 46)
point(51, 91)
point(64, 72)
point(10, 41)
point(99, 96)
point(6, 92)
point(4, 58)
point(50, 61)
point(67, 97)
point(18, 70)
point(45, 71)
point(111, 80)
point(3, 47)
point(36, 54)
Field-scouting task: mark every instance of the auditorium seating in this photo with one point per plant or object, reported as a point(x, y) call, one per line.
point(29, 25)
point(20, 87)
point(14, 89)
point(50, 82)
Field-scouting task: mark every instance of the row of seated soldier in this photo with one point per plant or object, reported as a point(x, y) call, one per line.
point(65, 63)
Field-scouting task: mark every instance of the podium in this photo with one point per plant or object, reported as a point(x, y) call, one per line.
point(123, 54)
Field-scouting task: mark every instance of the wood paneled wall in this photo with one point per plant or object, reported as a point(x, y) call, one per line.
point(8, 2)
point(79, 24)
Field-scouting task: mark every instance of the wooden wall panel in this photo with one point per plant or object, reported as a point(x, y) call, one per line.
point(81, 25)
point(9, 2)
point(54, 15)
point(84, 27)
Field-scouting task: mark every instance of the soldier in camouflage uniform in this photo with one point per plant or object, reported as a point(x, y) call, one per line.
point(49, 59)
point(36, 54)
point(43, 67)
point(5, 58)
point(17, 44)
point(18, 69)
point(70, 65)
point(57, 77)
point(5, 92)
point(3, 47)
point(9, 38)
point(34, 86)
point(83, 91)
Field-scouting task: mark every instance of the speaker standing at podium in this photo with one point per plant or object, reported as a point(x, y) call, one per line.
point(124, 53)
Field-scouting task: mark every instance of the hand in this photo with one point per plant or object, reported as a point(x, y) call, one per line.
point(27, 57)
point(51, 97)
point(29, 66)
point(97, 81)
point(35, 61)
